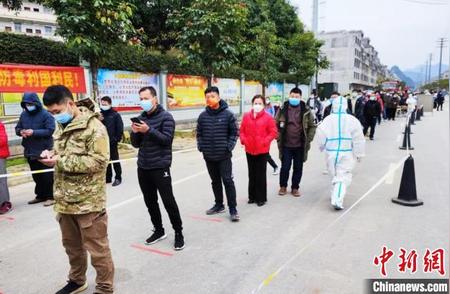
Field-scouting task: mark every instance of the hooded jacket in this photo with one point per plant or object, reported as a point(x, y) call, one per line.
point(83, 154)
point(217, 133)
point(41, 122)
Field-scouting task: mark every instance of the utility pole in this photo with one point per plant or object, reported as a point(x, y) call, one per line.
point(429, 68)
point(426, 73)
point(315, 29)
point(441, 43)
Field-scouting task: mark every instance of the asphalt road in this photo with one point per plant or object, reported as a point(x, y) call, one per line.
point(291, 245)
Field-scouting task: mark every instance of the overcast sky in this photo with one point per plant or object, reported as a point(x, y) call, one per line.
point(404, 32)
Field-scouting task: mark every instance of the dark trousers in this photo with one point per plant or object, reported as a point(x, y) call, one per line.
point(44, 181)
point(271, 161)
point(289, 156)
point(221, 172)
point(370, 123)
point(152, 182)
point(391, 113)
point(114, 155)
point(440, 105)
point(257, 177)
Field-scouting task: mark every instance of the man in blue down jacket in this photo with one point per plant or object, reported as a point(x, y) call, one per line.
point(36, 127)
point(154, 136)
point(217, 133)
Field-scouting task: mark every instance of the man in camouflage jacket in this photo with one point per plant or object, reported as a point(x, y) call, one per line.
point(80, 158)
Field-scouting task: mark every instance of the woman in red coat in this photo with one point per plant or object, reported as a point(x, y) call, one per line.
point(257, 131)
point(5, 204)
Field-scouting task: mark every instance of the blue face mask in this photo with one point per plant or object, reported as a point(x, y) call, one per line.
point(31, 108)
point(105, 107)
point(146, 105)
point(63, 118)
point(294, 101)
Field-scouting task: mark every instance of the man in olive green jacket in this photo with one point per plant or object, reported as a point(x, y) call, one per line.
point(80, 158)
point(296, 130)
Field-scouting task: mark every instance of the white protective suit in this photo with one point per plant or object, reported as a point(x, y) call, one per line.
point(340, 136)
point(412, 103)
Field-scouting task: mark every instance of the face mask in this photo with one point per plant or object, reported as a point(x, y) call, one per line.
point(212, 102)
point(257, 108)
point(63, 118)
point(294, 101)
point(146, 105)
point(354, 94)
point(31, 108)
point(373, 98)
point(105, 107)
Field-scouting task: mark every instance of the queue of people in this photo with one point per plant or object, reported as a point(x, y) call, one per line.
point(79, 142)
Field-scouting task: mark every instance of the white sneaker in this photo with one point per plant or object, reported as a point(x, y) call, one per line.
point(325, 172)
point(276, 171)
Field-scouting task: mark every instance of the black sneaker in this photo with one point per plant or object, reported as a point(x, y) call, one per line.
point(72, 288)
point(215, 209)
point(155, 237)
point(234, 216)
point(250, 201)
point(117, 182)
point(179, 242)
point(262, 203)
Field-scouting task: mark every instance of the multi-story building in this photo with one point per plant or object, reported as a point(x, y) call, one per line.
point(354, 62)
point(32, 19)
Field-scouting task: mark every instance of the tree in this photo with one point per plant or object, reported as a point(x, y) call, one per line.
point(263, 50)
point(302, 57)
point(152, 19)
point(211, 32)
point(92, 27)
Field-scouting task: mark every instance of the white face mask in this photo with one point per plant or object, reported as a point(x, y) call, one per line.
point(258, 108)
point(373, 98)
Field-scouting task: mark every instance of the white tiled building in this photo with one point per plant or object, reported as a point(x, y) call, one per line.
point(354, 62)
point(32, 19)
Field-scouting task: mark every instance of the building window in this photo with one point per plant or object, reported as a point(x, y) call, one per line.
point(48, 29)
point(36, 9)
point(8, 29)
point(29, 31)
point(48, 10)
point(18, 27)
point(357, 63)
point(339, 42)
point(38, 32)
point(27, 9)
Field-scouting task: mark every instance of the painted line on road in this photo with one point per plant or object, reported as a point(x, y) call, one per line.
point(270, 278)
point(217, 220)
point(391, 174)
point(109, 208)
point(8, 218)
point(152, 250)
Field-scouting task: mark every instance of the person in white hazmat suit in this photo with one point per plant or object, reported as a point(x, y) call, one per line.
point(340, 136)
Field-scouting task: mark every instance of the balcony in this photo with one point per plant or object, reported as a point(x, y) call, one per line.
point(27, 16)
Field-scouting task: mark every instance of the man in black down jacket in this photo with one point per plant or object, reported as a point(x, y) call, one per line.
point(154, 137)
point(36, 127)
point(372, 110)
point(114, 125)
point(217, 133)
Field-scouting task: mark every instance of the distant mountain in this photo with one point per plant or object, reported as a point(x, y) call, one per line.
point(402, 76)
point(418, 73)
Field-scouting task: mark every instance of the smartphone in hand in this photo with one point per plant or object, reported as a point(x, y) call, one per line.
point(135, 120)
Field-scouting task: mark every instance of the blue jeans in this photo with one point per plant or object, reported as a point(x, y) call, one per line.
point(290, 155)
